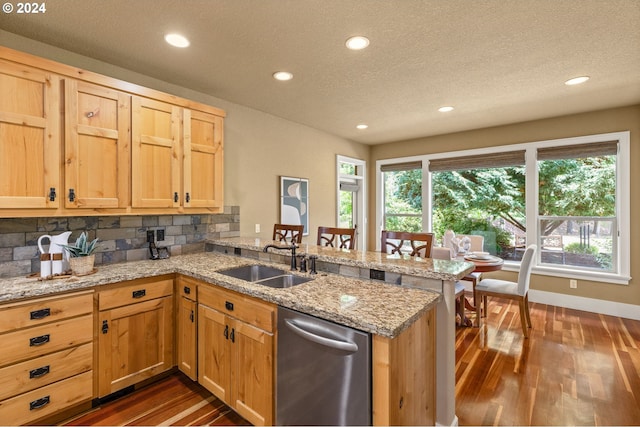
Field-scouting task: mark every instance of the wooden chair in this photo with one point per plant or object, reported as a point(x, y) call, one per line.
point(344, 238)
point(288, 232)
point(518, 291)
point(421, 243)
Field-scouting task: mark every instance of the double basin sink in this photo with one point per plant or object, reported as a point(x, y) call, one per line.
point(265, 275)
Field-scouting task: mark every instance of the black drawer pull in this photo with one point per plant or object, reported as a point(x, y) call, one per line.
point(40, 314)
point(39, 403)
point(228, 305)
point(187, 290)
point(105, 326)
point(39, 372)
point(36, 341)
point(139, 294)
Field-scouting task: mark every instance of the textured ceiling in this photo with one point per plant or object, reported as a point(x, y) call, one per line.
point(495, 61)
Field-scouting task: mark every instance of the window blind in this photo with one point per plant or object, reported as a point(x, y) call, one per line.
point(596, 149)
point(406, 166)
point(483, 161)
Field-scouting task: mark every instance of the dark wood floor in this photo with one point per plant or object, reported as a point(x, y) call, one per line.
point(577, 368)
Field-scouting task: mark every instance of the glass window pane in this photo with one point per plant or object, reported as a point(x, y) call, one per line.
point(403, 200)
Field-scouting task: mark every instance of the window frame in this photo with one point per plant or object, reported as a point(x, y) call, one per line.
point(623, 192)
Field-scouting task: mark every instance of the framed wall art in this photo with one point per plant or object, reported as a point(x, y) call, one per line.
point(294, 202)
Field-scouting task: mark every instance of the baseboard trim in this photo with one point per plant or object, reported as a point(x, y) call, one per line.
point(618, 309)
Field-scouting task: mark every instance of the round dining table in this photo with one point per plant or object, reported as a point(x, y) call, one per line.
point(492, 263)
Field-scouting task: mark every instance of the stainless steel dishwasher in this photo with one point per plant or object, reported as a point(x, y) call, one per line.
point(323, 372)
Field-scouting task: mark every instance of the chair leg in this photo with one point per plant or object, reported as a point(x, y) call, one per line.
point(478, 312)
point(526, 306)
point(523, 318)
point(484, 303)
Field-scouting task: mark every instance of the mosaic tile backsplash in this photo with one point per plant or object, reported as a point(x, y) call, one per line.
point(122, 238)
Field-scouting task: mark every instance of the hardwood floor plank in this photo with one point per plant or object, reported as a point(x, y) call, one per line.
point(577, 368)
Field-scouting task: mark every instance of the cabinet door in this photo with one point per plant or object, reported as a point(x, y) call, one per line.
point(252, 373)
point(29, 137)
point(214, 369)
point(186, 337)
point(203, 160)
point(135, 343)
point(156, 154)
point(97, 157)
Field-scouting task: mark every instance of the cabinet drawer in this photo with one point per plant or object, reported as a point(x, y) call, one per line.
point(30, 313)
point(144, 290)
point(242, 307)
point(38, 372)
point(36, 404)
point(45, 339)
point(187, 288)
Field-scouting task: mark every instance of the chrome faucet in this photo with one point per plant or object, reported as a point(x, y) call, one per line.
point(292, 248)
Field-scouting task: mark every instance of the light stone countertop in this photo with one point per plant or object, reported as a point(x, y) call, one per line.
point(403, 264)
point(372, 306)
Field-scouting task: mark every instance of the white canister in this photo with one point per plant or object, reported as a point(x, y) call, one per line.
point(56, 264)
point(45, 265)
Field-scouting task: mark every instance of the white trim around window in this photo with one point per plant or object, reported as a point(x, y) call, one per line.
point(623, 192)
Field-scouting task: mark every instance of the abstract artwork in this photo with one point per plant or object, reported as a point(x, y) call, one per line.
point(294, 202)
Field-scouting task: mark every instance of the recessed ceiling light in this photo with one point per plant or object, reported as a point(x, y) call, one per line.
point(362, 126)
point(445, 109)
point(282, 75)
point(576, 80)
point(357, 42)
point(176, 40)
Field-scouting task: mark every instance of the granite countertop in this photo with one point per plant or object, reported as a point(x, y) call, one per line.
point(371, 306)
point(404, 264)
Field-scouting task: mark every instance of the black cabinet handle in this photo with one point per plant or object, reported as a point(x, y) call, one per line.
point(187, 198)
point(139, 294)
point(187, 290)
point(39, 372)
point(36, 341)
point(233, 335)
point(228, 305)
point(176, 197)
point(72, 195)
point(192, 316)
point(226, 332)
point(105, 326)
point(52, 194)
point(40, 314)
point(39, 403)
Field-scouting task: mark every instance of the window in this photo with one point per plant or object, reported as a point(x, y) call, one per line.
point(351, 196)
point(569, 196)
point(577, 224)
point(402, 183)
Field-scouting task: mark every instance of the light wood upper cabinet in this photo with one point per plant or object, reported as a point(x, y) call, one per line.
point(97, 146)
point(155, 155)
point(203, 160)
point(29, 138)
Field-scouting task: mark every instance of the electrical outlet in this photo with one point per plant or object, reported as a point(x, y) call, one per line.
point(160, 235)
point(573, 284)
point(257, 228)
point(150, 236)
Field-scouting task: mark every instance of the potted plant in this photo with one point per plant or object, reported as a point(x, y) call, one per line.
point(81, 255)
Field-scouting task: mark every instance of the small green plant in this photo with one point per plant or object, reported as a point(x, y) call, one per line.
point(82, 246)
point(577, 248)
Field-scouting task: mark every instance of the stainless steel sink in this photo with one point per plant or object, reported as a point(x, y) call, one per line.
point(285, 281)
point(264, 275)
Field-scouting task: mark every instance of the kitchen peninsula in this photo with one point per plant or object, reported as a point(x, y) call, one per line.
point(397, 316)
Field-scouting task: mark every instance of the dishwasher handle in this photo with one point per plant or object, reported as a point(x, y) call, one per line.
point(327, 342)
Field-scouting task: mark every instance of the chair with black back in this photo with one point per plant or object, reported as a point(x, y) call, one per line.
point(395, 242)
point(288, 233)
point(343, 238)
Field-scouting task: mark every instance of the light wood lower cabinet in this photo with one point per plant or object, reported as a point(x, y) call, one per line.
point(236, 351)
point(46, 362)
point(187, 326)
point(135, 333)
